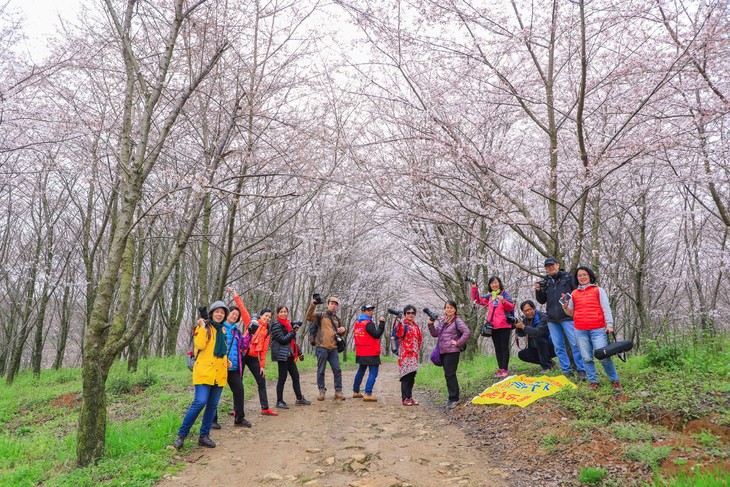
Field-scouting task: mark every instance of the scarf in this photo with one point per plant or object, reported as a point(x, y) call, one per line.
point(220, 350)
point(287, 326)
point(364, 317)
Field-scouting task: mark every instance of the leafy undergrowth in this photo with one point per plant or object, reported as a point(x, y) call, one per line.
point(39, 416)
point(671, 426)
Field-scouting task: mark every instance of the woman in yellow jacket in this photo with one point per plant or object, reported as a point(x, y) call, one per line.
point(210, 374)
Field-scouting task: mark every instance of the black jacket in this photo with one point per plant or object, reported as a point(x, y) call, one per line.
point(561, 283)
point(536, 330)
point(280, 342)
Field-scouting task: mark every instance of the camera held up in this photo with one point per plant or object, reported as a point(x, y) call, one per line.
point(431, 314)
point(469, 279)
point(296, 324)
point(395, 312)
point(317, 298)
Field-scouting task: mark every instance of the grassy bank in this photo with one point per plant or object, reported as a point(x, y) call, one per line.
point(38, 419)
point(672, 421)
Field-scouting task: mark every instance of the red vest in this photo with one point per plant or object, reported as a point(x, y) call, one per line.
point(588, 314)
point(365, 344)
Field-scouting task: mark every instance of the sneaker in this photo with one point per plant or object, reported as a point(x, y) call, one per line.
point(357, 395)
point(498, 374)
point(543, 371)
point(617, 386)
point(303, 402)
point(369, 398)
point(452, 404)
point(243, 422)
point(582, 375)
point(215, 426)
point(569, 374)
point(206, 442)
point(407, 402)
point(593, 386)
point(282, 405)
point(268, 412)
point(413, 402)
point(178, 443)
point(505, 373)
point(339, 395)
point(320, 396)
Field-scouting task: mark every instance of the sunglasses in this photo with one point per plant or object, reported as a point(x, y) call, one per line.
point(410, 312)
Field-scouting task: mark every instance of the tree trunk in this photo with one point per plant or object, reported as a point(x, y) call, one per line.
point(66, 304)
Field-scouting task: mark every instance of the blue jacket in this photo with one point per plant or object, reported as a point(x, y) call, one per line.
point(234, 345)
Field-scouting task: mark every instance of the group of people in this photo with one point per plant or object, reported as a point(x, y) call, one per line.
point(577, 310)
point(222, 350)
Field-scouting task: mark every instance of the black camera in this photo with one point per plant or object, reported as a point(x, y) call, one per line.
point(521, 331)
point(543, 284)
point(296, 324)
point(203, 312)
point(317, 298)
point(395, 312)
point(469, 279)
point(434, 316)
point(487, 329)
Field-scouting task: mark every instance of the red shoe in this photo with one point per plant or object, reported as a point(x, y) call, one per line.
point(407, 402)
point(414, 402)
point(268, 412)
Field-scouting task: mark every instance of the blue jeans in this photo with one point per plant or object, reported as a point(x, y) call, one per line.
point(557, 331)
point(323, 356)
point(372, 375)
point(589, 340)
point(206, 396)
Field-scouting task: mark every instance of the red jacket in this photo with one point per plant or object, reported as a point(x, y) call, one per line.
point(366, 345)
point(587, 311)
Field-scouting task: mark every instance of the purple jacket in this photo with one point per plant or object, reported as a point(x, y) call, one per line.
point(449, 333)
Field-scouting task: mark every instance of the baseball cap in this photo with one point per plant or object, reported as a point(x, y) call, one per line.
point(550, 261)
point(367, 306)
point(333, 298)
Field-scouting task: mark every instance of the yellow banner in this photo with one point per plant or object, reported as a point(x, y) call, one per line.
point(521, 390)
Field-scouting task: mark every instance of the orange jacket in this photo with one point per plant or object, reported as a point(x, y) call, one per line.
point(260, 344)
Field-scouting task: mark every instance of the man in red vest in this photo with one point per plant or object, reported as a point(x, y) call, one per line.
point(367, 351)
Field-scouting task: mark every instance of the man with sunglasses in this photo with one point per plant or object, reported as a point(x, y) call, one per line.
point(325, 325)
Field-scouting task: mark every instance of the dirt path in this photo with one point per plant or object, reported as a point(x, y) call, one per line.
point(348, 443)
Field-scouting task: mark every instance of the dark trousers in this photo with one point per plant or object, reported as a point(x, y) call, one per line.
point(289, 367)
point(542, 353)
point(500, 338)
point(323, 356)
point(451, 363)
point(406, 385)
point(236, 384)
point(253, 365)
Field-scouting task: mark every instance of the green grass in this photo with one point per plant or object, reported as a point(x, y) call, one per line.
point(38, 437)
point(701, 478)
point(649, 455)
point(591, 475)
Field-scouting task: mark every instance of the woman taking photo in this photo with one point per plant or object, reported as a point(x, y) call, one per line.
point(452, 334)
point(210, 374)
point(591, 311)
point(286, 353)
point(410, 339)
point(498, 303)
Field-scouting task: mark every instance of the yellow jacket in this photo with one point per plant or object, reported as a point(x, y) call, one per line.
point(208, 368)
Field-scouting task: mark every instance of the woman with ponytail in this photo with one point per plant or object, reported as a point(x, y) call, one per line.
point(285, 352)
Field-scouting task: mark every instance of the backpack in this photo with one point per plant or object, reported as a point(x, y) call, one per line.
point(395, 341)
point(191, 355)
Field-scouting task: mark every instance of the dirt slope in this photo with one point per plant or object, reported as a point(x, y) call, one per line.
point(348, 443)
